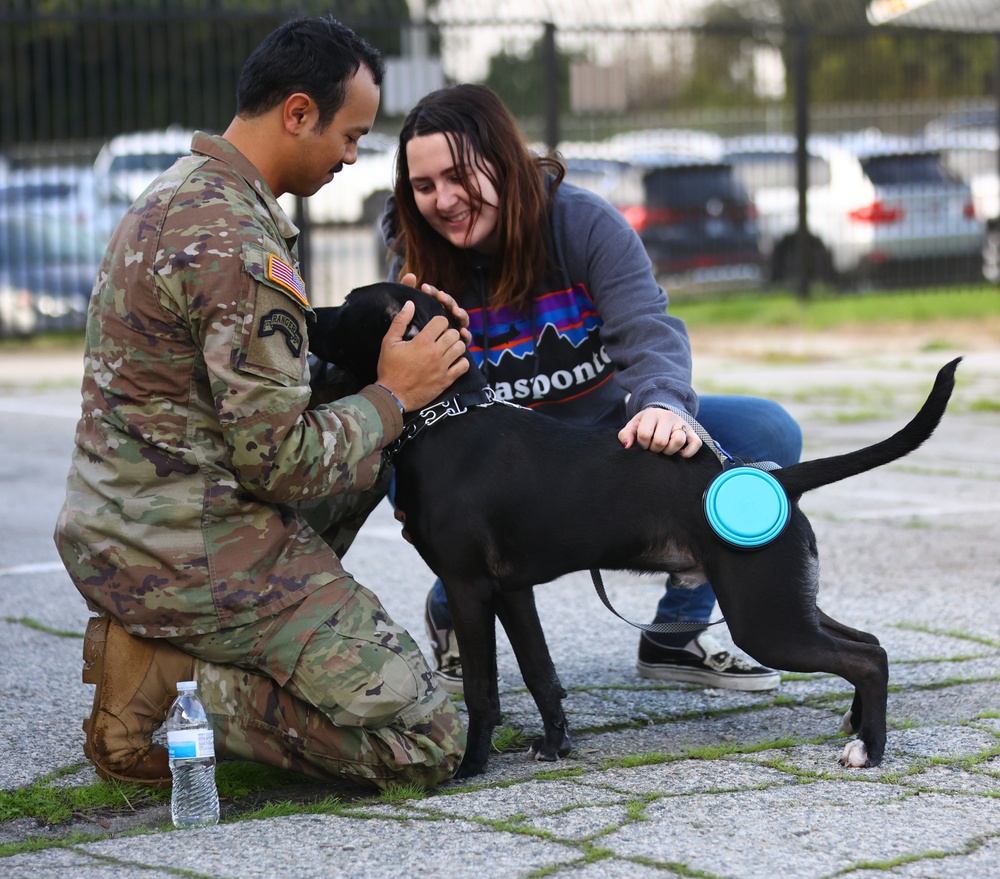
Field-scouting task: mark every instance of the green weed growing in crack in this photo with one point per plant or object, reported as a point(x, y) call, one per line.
point(29, 623)
point(967, 761)
point(396, 792)
point(948, 633)
point(715, 752)
point(558, 774)
point(635, 810)
point(330, 806)
point(509, 738)
point(9, 849)
point(633, 761)
point(650, 719)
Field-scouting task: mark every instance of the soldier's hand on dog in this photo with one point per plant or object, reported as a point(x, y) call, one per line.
point(457, 312)
point(662, 431)
point(417, 369)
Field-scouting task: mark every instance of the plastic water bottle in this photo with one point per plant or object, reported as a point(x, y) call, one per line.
point(194, 800)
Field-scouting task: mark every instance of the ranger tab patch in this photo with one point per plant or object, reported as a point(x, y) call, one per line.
point(282, 273)
point(280, 321)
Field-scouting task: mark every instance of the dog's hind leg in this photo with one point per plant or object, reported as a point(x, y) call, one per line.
point(519, 616)
point(853, 719)
point(860, 662)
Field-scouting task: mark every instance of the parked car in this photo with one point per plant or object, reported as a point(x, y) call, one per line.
point(696, 221)
point(53, 261)
point(17, 308)
point(128, 163)
point(879, 209)
point(69, 192)
point(971, 155)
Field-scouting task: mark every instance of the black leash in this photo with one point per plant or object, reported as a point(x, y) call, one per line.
point(646, 627)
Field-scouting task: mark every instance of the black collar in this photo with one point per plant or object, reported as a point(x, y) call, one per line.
point(434, 412)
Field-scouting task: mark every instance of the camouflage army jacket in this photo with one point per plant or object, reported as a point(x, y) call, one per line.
point(197, 444)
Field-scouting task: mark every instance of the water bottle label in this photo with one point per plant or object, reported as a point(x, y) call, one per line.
point(190, 743)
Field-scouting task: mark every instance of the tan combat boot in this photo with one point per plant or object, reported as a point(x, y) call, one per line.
point(136, 682)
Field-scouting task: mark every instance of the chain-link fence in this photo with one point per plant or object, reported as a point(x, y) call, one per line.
point(751, 153)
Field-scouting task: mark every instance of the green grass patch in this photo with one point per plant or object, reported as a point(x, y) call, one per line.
point(985, 404)
point(509, 738)
point(284, 808)
point(237, 779)
point(44, 343)
point(44, 802)
point(397, 792)
point(828, 311)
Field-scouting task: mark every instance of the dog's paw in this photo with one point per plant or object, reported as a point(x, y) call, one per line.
point(855, 755)
point(468, 770)
point(847, 723)
point(543, 752)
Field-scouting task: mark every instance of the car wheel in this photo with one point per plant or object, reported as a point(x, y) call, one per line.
point(785, 264)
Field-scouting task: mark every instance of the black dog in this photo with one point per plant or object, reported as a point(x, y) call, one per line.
point(491, 512)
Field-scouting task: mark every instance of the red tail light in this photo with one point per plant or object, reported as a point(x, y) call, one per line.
point(639, 217)
point(876, 213)
point(636, 216)
point(969, 211)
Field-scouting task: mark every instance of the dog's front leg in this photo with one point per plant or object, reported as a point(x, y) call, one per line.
point(472, 615)
point(519, 616)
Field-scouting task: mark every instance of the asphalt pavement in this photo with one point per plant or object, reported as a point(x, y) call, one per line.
point(664, 780)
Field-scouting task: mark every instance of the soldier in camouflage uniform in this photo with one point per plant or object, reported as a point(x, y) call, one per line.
point(210, 495)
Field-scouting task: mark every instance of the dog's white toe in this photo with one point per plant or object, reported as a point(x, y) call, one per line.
point(846, 726)
point(855, 754)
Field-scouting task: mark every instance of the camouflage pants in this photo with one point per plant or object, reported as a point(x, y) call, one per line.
point(331, 687)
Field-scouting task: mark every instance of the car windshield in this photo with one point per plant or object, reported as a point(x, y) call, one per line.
point(691, 186)
point(916, 168)
point(143, 162)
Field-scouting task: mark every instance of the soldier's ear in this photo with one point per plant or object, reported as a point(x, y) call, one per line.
point(299, 114)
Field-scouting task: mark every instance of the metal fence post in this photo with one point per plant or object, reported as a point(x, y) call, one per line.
point(802, 244)
point(550, 77)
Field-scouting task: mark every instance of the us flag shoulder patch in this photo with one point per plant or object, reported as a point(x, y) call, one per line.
point(282, 273)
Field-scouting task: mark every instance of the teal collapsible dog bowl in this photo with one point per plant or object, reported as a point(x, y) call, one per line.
point(746, 507)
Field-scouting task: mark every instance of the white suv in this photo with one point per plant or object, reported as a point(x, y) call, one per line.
point(878, 208)
point(972, 155)
point(128, 163)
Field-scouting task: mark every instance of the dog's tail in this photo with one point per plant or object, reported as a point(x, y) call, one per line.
point(803, 477)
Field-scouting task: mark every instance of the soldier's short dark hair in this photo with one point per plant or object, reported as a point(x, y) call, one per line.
point(316, 55)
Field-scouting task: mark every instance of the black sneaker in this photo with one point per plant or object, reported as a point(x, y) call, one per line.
point(447, 661)
point(703, 661)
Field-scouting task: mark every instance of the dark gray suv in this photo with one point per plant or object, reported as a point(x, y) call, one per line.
point(695, 219)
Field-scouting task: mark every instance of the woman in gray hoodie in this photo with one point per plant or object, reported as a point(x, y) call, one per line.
point(566, 317)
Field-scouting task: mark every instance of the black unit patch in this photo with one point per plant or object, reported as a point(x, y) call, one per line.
point(281, 321)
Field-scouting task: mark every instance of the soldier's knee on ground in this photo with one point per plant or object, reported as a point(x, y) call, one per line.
point(429, 751)
point(256, 719)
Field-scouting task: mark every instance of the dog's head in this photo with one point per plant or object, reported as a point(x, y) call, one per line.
point(351, 335)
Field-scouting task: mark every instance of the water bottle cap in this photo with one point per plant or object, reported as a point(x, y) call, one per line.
point(184, 686)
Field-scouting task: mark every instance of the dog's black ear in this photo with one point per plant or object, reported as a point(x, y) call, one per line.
point(322, 331)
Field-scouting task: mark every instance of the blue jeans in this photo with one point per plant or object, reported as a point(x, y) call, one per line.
point(748, 427)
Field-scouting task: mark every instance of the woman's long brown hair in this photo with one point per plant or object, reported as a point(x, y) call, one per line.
point(480, 130)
